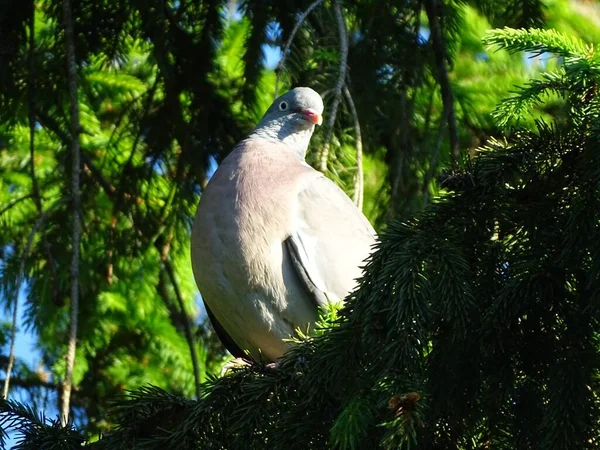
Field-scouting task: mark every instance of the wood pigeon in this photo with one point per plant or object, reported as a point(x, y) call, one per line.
point(273, 239)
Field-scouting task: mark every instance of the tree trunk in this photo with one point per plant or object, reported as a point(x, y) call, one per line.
point(75, 198)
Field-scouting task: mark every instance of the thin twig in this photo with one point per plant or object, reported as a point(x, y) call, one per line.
point(433, 161)
point(31, 111)
point(13, 330)
point(359, 184)
point(117, 204)
point(441, 55)
point(339, 15)
point(186, 325)
point(288, 44)
point(76, 201)
point(15, 203)
point(50, 123)
point(31, 93)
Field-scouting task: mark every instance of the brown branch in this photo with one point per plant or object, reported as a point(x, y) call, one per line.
point(359, 184)
point(288, 44)
point(186, 324)
point(76, 202)
point(339, 15)
point(441, 56)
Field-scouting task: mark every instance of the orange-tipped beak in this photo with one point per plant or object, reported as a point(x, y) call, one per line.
point(312, 116)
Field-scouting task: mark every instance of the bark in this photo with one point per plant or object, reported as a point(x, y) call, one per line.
point(67, 385)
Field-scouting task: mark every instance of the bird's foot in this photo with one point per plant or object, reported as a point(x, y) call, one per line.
point(234, 363)
point(241, 362)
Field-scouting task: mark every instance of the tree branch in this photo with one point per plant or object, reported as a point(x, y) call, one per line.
point(441, 56)
point(50, 123)
point(288, 44)
point(360, 178)
point(186, 324)
point(433, 161)
point(339, 15)
point(76, 202)
point(31, 110)
point(15, 203)
point(28, 383)
point(31, 117)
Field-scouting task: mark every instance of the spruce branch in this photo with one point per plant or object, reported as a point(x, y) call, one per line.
point(337, 93)
point(76, 205)
point(528, 96)
point(538, 41)
point(37, 432)
point(286, 48)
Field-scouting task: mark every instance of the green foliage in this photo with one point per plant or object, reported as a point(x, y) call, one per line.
point(475, 324)
point(576, 77)
point(167, 89)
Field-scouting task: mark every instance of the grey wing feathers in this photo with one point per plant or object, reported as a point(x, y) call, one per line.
point(330, 241)
point(303, 269)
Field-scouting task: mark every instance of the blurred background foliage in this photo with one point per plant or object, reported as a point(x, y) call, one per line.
point(166, 88)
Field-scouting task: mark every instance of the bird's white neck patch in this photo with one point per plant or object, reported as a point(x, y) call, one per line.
point(297, 140)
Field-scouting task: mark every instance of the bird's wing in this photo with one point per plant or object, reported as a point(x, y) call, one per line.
point(330, 240)
point(223, 336)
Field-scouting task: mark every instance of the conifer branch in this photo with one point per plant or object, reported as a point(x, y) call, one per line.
point(288, 44)
point(337, 93)
point(76, 204)
point(15, 202)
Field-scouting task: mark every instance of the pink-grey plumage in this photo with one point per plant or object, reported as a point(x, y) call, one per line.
point(273, 238)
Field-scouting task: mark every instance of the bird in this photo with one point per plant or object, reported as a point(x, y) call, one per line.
point(274, 239)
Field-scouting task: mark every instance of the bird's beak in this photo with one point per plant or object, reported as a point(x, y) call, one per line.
point(312, 116)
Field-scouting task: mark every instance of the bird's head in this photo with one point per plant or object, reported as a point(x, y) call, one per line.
point(292, 117)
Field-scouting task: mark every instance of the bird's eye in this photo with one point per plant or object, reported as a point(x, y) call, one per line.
point(283, 106)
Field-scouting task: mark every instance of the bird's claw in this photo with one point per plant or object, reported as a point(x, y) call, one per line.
point(242, 362)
